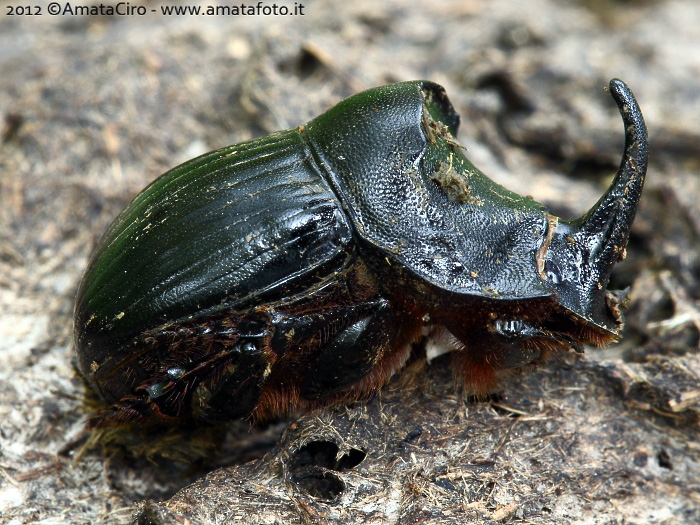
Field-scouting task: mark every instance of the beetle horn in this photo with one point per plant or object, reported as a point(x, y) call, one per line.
point(606, 226)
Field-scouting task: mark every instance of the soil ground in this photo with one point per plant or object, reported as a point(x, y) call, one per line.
point(92, 108)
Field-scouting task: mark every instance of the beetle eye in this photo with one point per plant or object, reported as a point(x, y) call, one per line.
point(551, 270)
point(508, 327)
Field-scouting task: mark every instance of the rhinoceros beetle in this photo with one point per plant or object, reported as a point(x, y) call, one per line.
point(298, 269)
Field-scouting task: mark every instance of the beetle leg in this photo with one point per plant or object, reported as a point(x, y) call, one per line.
point(232, 390)
point(221, 387)
point(351, 354)
point(524, 344)
point(507, 344)
point(212, 372)
point(372, 341)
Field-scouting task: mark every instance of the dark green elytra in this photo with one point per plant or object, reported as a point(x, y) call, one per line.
point(297, 269)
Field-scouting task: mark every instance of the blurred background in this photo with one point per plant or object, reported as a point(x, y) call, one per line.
point(93, 108)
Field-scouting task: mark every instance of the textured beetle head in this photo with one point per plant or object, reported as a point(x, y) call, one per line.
point(577, 257)
point(432, 213)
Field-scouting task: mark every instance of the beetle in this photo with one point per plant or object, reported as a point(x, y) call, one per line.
point(298, 269)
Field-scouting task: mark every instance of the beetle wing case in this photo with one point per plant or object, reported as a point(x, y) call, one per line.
point(236, 226)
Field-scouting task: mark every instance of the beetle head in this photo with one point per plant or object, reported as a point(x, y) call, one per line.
point(577, 257)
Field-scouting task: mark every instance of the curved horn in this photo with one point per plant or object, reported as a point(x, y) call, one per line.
point(606, 226)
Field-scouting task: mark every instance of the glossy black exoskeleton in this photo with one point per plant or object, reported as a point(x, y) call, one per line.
point(297, 269)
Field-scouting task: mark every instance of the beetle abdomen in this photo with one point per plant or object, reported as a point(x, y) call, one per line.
point(240, 224)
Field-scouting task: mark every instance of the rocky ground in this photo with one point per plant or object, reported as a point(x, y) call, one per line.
point(92, 108)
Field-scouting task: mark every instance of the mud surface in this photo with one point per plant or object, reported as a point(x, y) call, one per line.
point(92, 108)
